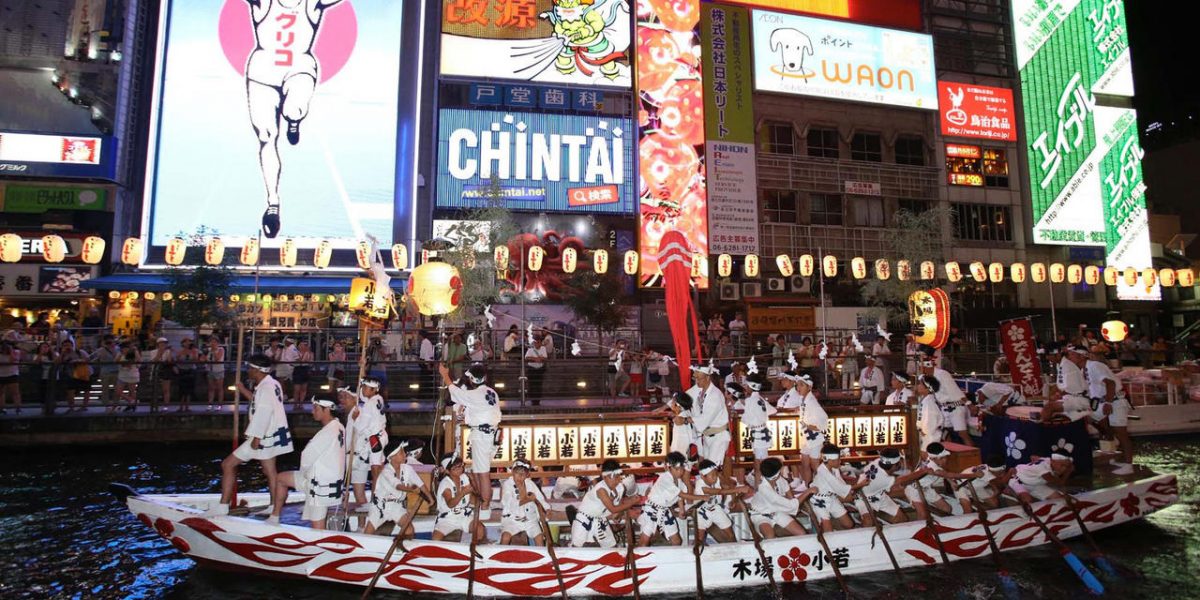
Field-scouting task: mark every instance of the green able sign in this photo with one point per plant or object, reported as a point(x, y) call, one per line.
point(1124, 189)
point(39, 199)
point(728, 109)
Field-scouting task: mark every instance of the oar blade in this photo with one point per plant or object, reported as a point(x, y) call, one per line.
point(1093, 585)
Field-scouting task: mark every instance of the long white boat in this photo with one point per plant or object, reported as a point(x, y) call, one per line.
point(252, 544)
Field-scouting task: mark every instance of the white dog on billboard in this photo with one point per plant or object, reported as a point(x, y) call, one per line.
point(793, 47)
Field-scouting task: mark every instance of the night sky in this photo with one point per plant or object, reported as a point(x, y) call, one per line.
point(1165, 43)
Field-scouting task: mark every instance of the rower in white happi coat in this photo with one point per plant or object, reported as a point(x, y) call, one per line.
point(367, 424)
point(605, 498)
point(664, 503)
point(774, 505)
point(389, 497)
point(711, 415)
point(1070, 398)
point(988, 480)
point(924, 492)
point(832, 491)
point(930, 419)
point(953, 402)
point(455, 512)
point(1044, 478)
point(877, 483)
point(871, 381)
point(481, 414)
point(712, 518)
point(996, 398)
point(900, 394)
point(524, 507)
point(322, 469)
point(756, 413)
point(267, 433)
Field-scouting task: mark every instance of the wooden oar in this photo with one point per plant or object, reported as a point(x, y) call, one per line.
point(1097, 554)
point(631, 556)
point(837, 572)
point(698, 549)
point(562, 587)
point(340, 517)
point(474, 554)
point(1073, 561)
point(762, 555)
point(1006, 579)
point(931, 523)
point(396, 543)
point(879, 532)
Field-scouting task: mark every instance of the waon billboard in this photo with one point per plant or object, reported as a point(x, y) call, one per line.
point(976, 111)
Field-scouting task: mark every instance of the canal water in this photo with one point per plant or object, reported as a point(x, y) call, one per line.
point(63, 536)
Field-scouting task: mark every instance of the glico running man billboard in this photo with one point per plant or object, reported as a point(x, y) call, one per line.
point(276, 116)
point(538, 162)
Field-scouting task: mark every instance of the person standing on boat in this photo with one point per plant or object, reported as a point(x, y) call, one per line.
point(1110, 409)
point(756, 413)
point(833, 491)
point(900, 394)
point(1069, 396)
point(590, 523)
point(711, 421)
point(1042, 479)
point(322, 469)
point(711, 516)
point(791, 399)
point(923, 493)
point(368, 427)
point(454, 502)
point(953, 402)
point(389, 497)
point(878, 482)
point(481, 414)
point(683, 435)
point(665, 503)
point(267, 433)
point(929, 414)
point(988, 480)
point(524, 506)
point(871, 381)
point(774, 505)
point(813, 421)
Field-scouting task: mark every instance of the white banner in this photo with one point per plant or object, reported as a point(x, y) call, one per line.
point(732, 199)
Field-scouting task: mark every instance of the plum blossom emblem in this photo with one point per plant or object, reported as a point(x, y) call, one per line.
point(1014, 446)
point(1130, 505)
point(793, 565)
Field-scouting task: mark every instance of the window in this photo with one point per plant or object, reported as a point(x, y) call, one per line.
point(910, 150)
point(780, 206)
point(823, 142)
point(868, 212)
point(975, 166)
point(915, 207)
point(982, 223)
point(866, 146)
point(779, 138)
point(995, 168)
point(1082, 292)
point(825, 209)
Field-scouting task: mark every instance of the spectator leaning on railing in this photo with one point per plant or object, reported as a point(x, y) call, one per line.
point(10, 376)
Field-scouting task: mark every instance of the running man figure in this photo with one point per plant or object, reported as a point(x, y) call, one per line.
point(281, 77)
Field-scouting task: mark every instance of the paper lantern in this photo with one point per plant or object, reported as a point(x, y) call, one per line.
point(929, 312)
point(858, 267)
point(114, 295)
point(176, 249)
point(995, 272)
point(1186, 277)
point(784, 263)
point(1110, 276)
point(235, 298)
point(631, 262)
point(928, 270)
point(1037, 272)
point(322, 253)
point(282, 298)
point(807, 265)
point(132, 295)
point(724, 265)
point(1131, 276)
point(1058, 273)
point(287, 253)
point(953, 272)
point(1149, 276)
point(536, 256)
point(750, 267)
point(249, 254)
point(315, 298)
point(883, 269)
point(599, 261)
point(399, 257)
point(93, 250)
point(168, 296)
point(978, 272)
point(500, 257)
point(1074, 274)
point(149, 295)
point(1114, 331)
point(1016, 271)
point(54, 248)
point(570, 259)
point(214, 252)
point(699, 265)
point(362, 252)
point(435, 288)
point(10, 247)
point(1091, 275)
point(1166, 277)
point(903, 270)
point(829, 265)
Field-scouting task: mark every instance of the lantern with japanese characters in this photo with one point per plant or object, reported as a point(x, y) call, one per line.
point(807, 265)
point(93, 250)
point(953, 272)
point(858, 267)
point(435, 287)
point(1166, 277)
point(883, 269)
point(724, 265)
point(751, 267)
point(1058, 273)
point(570, 259)
point(1091, 275)
point(368, 299)
point(176, 249)
point(699, 265)
point(1186, 277)
point(903, 270)
point(54, 248)
point(928, 270)
point(249, 254)
point(537, 256)
point(214, 252)
point(399, 257)
point(829, 265)
point(784, 263)
point(1111, 275)
point(599, 261)
point(978, 272)
point(1149, 277)
point(1114, 331)
point(500, 257)
point(362, 252)
point(1131, 276)
point(1074, 274)
point(631, 262)
point(10, 247)
point(1038, 272)
point(929, 312)
point(287, 253)
point(995, 272)
point(1017, 272)
point(322, 253)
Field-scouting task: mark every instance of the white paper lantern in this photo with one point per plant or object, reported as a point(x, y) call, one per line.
point(214, 252)
point(10, 247)
point(322, 253)
point(858, 267)
point(784, 263)
point(599, 261)
point(93, 250)
point(287, 253)
point(750, 267)
point(630, 262)
point(570, 260)
point(807, 265)
point(249, 254)
point(399, 257)
point(54, 248)
point(176, 249)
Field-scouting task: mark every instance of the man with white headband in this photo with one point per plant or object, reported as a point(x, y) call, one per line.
point(665, 503)
point(454, 508)
point(791, 399)
point(524, 506)
point(322, 469)
point(416, 447)
point(900, 394)
point(878, 482)
point(756, 413)
point(952, 400)
point(711, 421)
point(389, 497)
point(1044, 478)
point(996, 398)
point(774, 505)
point(988, 480)
point(711, 516)
point(929, 414)
point(679, 406)
point(590, 523)
point(1069, 396)
point(813, 422)
point(923, 493)
point(832, 492)
point(368, 426)
point(481, 414)
point(1110, 409)
point(267, 433)
point(871, 381)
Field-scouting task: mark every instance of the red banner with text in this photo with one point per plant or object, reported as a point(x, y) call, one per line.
point(1020, 348)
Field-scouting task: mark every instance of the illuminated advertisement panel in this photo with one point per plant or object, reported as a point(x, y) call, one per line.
point(1084, 159)
point(582, 42)
point(977, 111)
point(886, 13)
point(274, 118)
point(843, 61)
point(670, 86)
point(539, 162)
point(52, 155)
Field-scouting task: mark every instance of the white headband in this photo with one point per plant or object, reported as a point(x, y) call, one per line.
point(369, 382)
point(521, 464)
point(610, 473)
point(258, 368)
point(943, 454)
point(707, 470)
point(831, 455)
point(402, 446)
point(1058, 455)
point(889, 461)
point(323, 402)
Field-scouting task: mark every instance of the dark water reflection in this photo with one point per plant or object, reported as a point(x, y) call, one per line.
point(63, 536)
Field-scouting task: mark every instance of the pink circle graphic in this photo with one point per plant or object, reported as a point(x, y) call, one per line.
point(333, 46)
